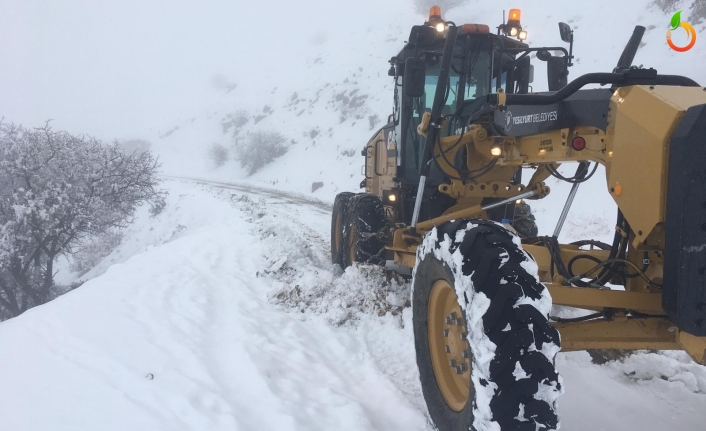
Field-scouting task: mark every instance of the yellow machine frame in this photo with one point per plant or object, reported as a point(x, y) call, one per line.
point(633, 150)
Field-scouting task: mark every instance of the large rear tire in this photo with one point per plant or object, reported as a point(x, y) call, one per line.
point(364, 230)
point(338, 216)
point(494, 371)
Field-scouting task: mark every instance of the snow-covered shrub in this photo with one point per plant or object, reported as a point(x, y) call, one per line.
point(90, 254)
point(218, 154)
point(259, 149)
point(56, 191)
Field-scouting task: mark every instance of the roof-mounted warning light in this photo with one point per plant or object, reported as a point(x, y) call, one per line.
point(434, 13)
point(435, 19)
point(513, 27)
point(474, 28)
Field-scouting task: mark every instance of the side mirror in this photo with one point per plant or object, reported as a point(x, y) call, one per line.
point(565, 32)
point(414, 77)
point(544, 55)
point(557, 73)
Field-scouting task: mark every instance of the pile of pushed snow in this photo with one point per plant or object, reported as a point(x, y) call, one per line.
point(360, 289)
point(661, 370)
point(304, 279)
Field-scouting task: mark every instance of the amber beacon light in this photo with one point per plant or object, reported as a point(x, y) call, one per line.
point(435, 19)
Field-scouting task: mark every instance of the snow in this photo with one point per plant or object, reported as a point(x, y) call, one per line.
point(223, 312)
point(607, 398)
point(187, 334)
point(193, 313)
point(695, 248)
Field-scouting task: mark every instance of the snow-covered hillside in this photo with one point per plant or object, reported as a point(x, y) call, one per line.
point(229, 316)
point(334, 93)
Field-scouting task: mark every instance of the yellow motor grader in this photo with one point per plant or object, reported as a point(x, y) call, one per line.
point(444, 197)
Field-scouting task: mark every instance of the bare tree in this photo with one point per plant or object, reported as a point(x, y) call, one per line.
point(56, 190)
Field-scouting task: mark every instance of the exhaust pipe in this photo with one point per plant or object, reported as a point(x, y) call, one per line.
point(628, 55)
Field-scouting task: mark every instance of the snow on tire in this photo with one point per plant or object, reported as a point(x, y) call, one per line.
point(510, 382)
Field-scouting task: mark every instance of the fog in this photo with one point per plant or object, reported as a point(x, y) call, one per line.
point(127, 69)
point(122, 68)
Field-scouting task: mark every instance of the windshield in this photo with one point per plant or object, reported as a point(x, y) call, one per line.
point(469, 79)
point(473, 86)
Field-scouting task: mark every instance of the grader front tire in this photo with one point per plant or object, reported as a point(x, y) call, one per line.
point(504, 353)
point(338, 217)
point(364, 225)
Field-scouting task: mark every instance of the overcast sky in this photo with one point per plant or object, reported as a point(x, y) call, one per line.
point(118, 68)
point(123, 68)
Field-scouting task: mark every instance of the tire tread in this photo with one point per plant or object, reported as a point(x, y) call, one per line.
point(494, 262)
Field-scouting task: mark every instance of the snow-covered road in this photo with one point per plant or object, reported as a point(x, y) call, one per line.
point(223, 312)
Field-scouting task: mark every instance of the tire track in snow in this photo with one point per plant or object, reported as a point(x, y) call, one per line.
point(261, 191)
point(392, 358)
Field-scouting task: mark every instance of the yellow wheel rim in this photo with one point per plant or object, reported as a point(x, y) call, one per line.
point(351, 244)
point(448, 346)
point(337, 235)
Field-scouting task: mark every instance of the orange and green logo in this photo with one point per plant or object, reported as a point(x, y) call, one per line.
point(676, 23)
